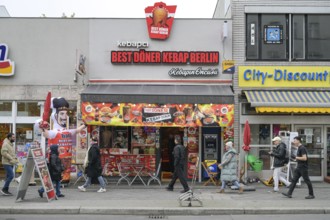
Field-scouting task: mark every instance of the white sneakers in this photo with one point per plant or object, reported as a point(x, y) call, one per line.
point(82, 188)
point(101, 190)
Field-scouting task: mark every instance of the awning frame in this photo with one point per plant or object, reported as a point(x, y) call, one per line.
point(289, 101)
point(174, 94)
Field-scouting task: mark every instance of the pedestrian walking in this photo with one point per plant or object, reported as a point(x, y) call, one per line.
point(301, 170)
point(279, 154)
point(9, 160)
point(55, 170)
point(228, 168)
point(179, 162)
point(93, 167)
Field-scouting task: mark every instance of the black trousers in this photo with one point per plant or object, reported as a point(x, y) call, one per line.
point(179, 173)
point(301, 172)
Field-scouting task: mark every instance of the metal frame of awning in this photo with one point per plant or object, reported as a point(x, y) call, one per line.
point(294, 99)
point(175, 94)
point(289, 101)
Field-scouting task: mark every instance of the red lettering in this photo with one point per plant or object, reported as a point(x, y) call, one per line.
point(121, 56)
point(175, 57)
point(143, 56)
point(204, 57)
point(165, 57)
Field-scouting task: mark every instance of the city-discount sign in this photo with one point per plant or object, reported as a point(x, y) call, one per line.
point(160, 19)
point(284, 76)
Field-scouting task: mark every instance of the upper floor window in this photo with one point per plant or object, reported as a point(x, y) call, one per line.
point(287, 37)
point(28, 109)
point(5, 108)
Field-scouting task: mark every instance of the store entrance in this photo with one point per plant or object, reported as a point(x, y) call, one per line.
point(312, 138)
point(327, 136)
point(167, 135)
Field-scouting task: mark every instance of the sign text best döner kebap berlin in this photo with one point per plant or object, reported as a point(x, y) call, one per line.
point(179, 57)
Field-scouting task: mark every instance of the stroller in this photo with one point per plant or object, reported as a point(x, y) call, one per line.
point(189, 197)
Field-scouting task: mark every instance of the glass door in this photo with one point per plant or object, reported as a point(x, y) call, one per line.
point(312, 138)
point(328, 151)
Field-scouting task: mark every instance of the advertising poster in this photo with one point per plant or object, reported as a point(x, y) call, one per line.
point(192, 148)
point(81, 148)
point(36, 159)
point(273, 34)
point(43, 172)
point(155, 115)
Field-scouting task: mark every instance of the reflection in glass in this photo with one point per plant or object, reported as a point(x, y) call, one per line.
point(28, 109)
point(318, 46)
point(5, 108)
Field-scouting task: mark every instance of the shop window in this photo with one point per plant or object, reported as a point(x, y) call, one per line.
point(72, 113)
point(311, 37)
point(260, 134)
point(318, 37)
point(266, 37)
point(247, 109)
point(5, 108)
point(28, 109)
point(277, 128)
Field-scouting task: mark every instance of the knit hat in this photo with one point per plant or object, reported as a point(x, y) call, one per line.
point(229, 144)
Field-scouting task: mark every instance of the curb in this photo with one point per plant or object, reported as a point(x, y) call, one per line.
point(162, 211)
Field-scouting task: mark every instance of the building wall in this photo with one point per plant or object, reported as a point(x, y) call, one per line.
point(186, 35)
point(239, 8)
point(45, 52)
point(239, 32)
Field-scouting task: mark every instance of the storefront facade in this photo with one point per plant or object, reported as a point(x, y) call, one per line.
point(282, 81)
point(134, 92)
point(141, 97)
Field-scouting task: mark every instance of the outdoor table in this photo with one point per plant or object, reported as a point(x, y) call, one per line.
point(137, 169)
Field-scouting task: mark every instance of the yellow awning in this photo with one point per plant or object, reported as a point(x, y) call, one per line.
point(292, 110)
point(290, 101)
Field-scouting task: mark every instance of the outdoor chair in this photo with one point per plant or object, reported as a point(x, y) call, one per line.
point(154, 175)
point(212, 175)
point(124, 172)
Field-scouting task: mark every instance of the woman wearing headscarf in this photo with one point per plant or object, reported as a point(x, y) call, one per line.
point(228, 168)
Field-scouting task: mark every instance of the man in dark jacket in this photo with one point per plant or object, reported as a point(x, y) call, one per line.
point(279, 154)
point(301, 170)
point(55, 170)
point(93, 168)
point(179, 162)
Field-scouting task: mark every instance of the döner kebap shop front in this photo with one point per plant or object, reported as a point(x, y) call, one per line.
point(144, 91)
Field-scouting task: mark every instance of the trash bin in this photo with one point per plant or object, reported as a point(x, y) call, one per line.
point(257, 165)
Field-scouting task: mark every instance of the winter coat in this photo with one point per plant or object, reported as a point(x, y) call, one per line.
point(8, 153)
point(179, 154)
point(229, 166)
point(279, 154)
point(94, 168)
point(55, 164)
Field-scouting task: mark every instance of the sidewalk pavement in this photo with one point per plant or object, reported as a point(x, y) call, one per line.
point(155, 200)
